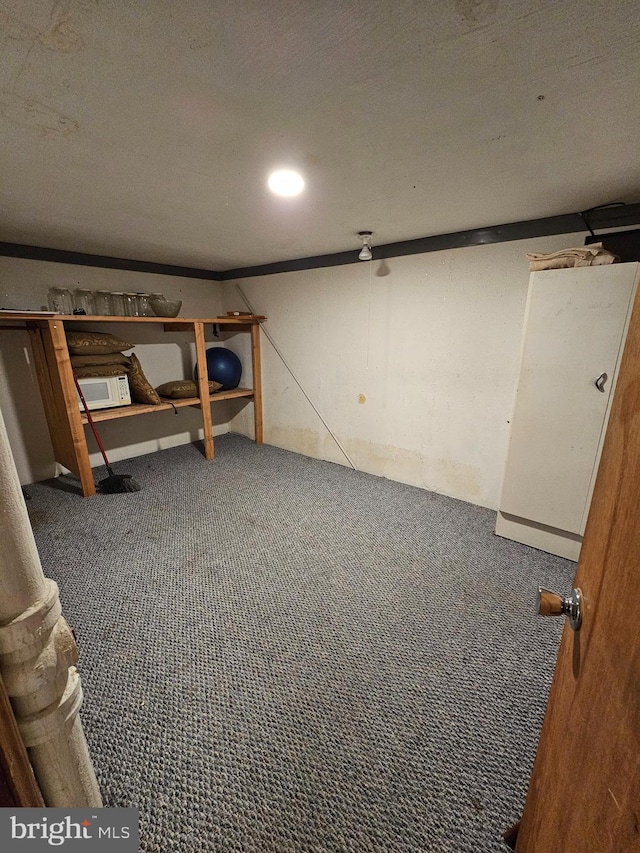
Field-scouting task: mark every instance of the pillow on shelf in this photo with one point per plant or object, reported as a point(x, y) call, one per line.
point(94, 343)
point(181, 388)
point(141, 390)
point(100, 370)
point(110, 358)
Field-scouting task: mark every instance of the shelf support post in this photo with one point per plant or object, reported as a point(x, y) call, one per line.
point(203, 391)
point(256, 364)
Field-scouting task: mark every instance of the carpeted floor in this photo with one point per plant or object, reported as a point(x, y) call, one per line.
point(280, 654)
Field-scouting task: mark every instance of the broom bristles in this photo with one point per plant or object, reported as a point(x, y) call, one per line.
point(119, 484)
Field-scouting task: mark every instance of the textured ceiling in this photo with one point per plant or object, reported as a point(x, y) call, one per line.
point(147, 130)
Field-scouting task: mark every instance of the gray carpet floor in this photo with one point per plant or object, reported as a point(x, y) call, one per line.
point(281, 654)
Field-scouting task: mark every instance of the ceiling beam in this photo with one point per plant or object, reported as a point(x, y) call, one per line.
point(618, 216)
point(597, 218)
point(59, 256)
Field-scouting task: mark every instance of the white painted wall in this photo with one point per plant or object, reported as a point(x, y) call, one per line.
point(24, 284)
point(412, 362)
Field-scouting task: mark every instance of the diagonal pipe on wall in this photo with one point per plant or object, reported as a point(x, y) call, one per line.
point(38, 655)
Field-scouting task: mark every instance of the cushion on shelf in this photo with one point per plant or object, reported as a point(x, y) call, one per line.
point(94, 343)
point(100, 370)
point(141, 390)
point(178, 389)
point(107, 358)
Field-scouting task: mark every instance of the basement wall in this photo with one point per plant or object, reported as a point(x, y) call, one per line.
point(164, 356)
point(411, 361)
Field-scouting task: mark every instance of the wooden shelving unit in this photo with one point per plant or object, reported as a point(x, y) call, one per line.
point(66, 422)
point(141, 409)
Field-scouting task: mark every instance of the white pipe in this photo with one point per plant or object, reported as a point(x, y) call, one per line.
point(38, 656)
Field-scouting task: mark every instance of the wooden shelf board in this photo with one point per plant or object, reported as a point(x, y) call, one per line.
point(143, 409)
point(231, 395)
point(183, 322)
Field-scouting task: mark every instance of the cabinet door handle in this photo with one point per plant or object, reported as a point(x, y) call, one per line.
point(599, 383)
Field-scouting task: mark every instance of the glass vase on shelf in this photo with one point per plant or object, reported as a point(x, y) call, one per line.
point(143, 305)
point(103, 303)
point(131, 305)
point(83, 301)
point(60, 300)
point(117, 303)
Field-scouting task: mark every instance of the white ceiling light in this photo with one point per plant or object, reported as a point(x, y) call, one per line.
point(365, 252)
point(286, 182)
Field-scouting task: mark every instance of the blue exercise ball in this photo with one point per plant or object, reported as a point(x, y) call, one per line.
point(223, 366)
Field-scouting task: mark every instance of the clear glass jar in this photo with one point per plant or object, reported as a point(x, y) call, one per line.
point(103, 302)
point(60, 300)
point(143, 305)
point(131, 305)
point(117, 303)
point(83, 301)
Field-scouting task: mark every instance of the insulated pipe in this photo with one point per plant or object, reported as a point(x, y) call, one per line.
point(38, 655)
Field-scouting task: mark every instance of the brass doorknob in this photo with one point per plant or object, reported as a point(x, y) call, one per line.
point(553, 604)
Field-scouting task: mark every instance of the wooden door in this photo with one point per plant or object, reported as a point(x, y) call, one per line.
point(584, 794)
point(18, 786)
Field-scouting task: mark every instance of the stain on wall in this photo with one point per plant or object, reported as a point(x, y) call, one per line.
point(476, 11)
point(28, 113)
point(300, 440)
point(16, 29)
point(445, 476)
point(60, 35)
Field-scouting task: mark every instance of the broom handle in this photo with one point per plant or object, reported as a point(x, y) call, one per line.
point(91, 422)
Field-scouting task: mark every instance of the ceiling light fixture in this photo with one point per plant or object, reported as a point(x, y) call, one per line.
point(365, 251)
point(286, 182)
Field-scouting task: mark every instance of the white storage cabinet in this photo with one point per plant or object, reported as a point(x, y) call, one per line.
point(575, 326)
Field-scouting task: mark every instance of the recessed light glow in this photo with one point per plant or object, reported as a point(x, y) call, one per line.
point(286, 182)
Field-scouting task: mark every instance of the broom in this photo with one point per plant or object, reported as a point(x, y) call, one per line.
point(114, 484)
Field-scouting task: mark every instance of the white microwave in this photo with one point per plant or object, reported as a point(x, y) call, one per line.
point(104, 392)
